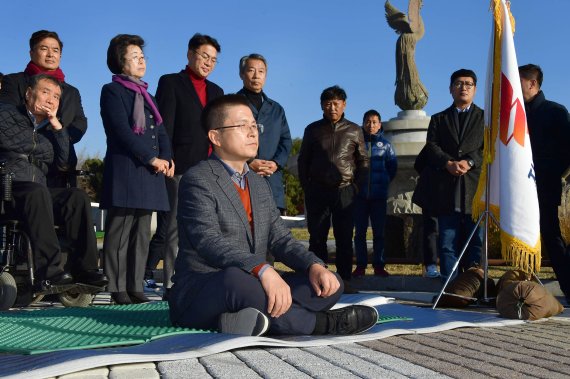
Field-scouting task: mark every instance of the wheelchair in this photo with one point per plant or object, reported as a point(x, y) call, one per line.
point(18, 285)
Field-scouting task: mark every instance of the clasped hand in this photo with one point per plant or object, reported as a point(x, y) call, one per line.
point(263, 167)
point(163, 166)
point(457, 168)
point(279, 299)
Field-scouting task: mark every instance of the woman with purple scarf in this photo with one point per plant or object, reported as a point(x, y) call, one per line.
point(137, 159)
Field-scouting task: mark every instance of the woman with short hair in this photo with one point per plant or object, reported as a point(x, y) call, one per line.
point(137, 159)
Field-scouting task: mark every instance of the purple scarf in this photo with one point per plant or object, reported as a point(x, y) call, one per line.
point(139, 88)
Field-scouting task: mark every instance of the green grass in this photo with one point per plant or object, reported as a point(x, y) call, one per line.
point(409, 269)
point(495, 272)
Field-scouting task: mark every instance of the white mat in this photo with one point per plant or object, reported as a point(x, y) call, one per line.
point(425, 320)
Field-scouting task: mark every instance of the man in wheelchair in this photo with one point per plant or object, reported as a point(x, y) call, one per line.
point(32, 140)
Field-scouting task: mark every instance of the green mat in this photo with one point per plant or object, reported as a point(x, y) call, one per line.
point(382, 319)
point(47, 330)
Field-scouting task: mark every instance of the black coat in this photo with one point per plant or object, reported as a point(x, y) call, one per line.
point(70, 114)
point(181, 111)
point(444, 143)
point(549, 132)
point(129, 181)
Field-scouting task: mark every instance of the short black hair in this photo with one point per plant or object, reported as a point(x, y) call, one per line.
point(244, 59)
point(34, 80)
point(198, 40)
point(118, 48)
point(463, 72)
point(532, 71)
point(40, 35)
point(333, 93)
point(372, 112)
point(215, 112)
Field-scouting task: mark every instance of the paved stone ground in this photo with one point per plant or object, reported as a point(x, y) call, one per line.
point(532, 350)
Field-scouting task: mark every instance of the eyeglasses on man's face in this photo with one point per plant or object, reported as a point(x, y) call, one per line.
point(244, 128)
point(468, 85)
point(206, 57)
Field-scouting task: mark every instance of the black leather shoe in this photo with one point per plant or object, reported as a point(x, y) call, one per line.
point(93, 278)
point(138, 297)
point(60, 279)
point(353, 319)
point(48, 285)
point(121, 298)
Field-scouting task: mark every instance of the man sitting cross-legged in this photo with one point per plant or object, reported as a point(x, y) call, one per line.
point(227, 221)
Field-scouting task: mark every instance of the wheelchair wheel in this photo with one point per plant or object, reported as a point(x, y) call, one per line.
point(8, 291)
point(75, 299)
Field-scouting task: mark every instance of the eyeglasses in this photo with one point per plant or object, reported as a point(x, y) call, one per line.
point(206, 57)
point(458, 84)
point(244, 128)
point(136, 59)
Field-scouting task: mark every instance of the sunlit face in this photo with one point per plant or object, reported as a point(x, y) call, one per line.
point(529, 88)
point(253, 75)
point(46, 54)
point(203, 60)
point(333, 109)
point(44, 97)
point(236, 143)
point(463, 91)
point(372, 124)
point(135, 63)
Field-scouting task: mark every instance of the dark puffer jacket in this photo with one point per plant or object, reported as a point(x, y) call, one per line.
point(29, 151)
point(332, 155)
point(383, 167)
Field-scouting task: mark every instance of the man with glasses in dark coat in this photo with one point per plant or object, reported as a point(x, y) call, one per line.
point(454, 149)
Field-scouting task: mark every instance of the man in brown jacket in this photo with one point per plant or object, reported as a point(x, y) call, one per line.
point(331, 161)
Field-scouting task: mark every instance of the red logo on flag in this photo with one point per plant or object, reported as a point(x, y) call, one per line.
point(507, 104)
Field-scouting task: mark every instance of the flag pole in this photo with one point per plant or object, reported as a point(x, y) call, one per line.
point(489, 140)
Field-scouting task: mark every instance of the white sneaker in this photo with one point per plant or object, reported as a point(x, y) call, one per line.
point(431, 272)
point(248, 322)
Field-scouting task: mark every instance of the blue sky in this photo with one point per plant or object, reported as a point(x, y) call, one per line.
point(309, 45)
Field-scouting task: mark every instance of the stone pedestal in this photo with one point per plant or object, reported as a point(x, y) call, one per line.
point(407, 133)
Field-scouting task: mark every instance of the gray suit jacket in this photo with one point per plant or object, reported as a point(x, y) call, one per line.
point(214, 232)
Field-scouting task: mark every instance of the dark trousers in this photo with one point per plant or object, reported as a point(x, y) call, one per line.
point(321, 203)
point(430, 233)
point(199, 303)
point(156, 245)
point(127, 234)
point(170, 250)
point(375, 210)
point(454, 229)
point(39, 209)
point(554, 244)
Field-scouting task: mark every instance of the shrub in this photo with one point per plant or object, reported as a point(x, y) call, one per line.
point(294, 195)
